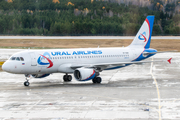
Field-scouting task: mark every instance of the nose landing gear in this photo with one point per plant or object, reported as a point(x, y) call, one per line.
point(26, 83)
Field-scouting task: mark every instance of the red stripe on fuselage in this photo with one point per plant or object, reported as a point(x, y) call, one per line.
point(50, 62)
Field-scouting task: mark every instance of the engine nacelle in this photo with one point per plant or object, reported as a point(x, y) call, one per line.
point(40, 75)
point(84, 74)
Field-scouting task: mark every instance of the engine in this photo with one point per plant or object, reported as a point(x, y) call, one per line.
point(84, 74)
point(40, 75)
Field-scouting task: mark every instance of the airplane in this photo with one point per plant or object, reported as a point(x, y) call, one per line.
point(85, 63)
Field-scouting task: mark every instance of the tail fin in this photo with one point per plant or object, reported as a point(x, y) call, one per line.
point(143, 37)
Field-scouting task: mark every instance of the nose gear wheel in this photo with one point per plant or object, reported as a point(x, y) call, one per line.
point(26, 83)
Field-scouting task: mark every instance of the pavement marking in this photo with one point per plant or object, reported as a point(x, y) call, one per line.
point(34, 104)
point(176, 100)
point(159, 99)
point(89, 107)
point(30, 108)
point(113, 75)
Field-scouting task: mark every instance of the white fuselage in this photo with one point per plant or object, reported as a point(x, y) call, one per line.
point(62, 59)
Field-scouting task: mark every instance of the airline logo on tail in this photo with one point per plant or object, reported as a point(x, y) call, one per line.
point(142, 36)
point(41, 60)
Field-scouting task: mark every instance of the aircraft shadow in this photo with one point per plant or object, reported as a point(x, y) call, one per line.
point(40, 85)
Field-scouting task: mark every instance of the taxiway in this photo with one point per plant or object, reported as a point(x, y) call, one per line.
point(129, 93)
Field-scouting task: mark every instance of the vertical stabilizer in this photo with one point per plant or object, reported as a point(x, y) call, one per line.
point(143, 37)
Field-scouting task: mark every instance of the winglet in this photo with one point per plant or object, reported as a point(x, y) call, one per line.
point(169, 60)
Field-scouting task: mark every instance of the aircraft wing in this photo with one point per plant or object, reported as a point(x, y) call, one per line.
point(106, 65)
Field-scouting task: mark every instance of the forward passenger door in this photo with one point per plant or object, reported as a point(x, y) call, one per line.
point(33, 59)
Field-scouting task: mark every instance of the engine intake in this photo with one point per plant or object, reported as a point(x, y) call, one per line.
point(84, 74)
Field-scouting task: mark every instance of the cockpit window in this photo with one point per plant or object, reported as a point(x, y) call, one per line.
point(12, 58)
point(17, 58)
point(22, 59)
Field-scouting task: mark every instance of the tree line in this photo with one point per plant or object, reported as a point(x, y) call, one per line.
point(44, 17)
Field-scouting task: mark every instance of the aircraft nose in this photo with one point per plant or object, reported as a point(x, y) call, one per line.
point(5, 67)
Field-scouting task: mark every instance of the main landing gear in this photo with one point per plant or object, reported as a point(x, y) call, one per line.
point(97, 80)
point(67, 78)
point(26, 83)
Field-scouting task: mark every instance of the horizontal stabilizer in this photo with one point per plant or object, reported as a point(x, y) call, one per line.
point(150, 53)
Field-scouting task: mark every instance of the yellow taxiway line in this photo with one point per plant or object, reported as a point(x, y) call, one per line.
point(159, 99)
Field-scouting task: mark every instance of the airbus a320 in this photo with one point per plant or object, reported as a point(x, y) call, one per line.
point(86, 64)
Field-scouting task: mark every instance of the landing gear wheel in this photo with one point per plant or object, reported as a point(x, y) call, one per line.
point(94, 80)
point(67, 78)
point(26, 83)
point(97, 80)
